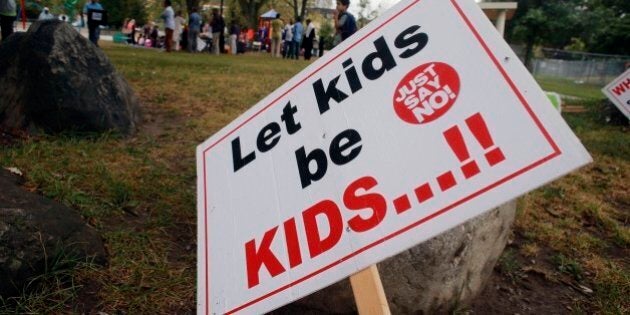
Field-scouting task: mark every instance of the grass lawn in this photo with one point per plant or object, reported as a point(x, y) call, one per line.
point(571, 88)
point(139, 192)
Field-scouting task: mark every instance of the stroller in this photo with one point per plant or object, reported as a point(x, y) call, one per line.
point(206, 41)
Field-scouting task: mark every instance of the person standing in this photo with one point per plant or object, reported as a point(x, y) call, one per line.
point(8, 12)
point(276, 36)
point(234, 32)
point(169, 25)
point(131, 30)
point(288, 39)
point(345, 23)
point(154, 36)
point(179, 28)
point(218, 25)
point(94, 27)
point(309, 36)
point(298, 31)
point(194, 26)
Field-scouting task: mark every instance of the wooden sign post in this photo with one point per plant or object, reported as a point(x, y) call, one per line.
point(368, 292)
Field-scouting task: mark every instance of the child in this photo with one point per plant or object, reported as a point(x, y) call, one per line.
point(345, 24)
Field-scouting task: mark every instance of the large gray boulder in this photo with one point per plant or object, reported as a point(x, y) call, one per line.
point(37, 234)
point(435, 277)
point(52, 78)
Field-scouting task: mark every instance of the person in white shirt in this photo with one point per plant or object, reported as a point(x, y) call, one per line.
point(288, 39)
point(179, 27)
point(309, 37)
point(169, 25)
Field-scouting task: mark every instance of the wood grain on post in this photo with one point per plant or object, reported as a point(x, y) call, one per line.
point(368, 292)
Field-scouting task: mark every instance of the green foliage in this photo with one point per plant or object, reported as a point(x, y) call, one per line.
point(366, 13)
point(327, 33)
point(571, 88)
point(508, 263)
point(576, 45)
point(52, 291)
point(119, 10)
point(606, 26)
point(250, 10)
point(602, 26)
point(568, 266)
point(284, 7)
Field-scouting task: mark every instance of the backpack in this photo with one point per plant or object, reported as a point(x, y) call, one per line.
point(349, 27)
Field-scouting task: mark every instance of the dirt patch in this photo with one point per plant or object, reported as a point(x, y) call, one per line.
point(87, 300)
point(11, 137)
point(573, 109)
point(522, 285)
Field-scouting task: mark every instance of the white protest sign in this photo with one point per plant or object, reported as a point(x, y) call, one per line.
point(420, 121)
point(618, 92)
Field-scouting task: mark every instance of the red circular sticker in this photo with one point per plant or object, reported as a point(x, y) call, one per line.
point(426, 93)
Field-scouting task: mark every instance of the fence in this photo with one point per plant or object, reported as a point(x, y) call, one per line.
point(598, 69)
point(598, 72)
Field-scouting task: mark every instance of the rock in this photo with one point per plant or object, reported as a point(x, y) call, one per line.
point(437, 276)
point(54, 79)
point(35, 232)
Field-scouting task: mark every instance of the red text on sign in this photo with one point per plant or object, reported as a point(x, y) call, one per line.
point(358, 196)
point(621, 87)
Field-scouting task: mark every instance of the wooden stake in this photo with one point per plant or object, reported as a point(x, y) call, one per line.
point(368, 292)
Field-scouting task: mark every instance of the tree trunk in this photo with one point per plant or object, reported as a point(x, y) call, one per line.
point(295, 9)
point(303, 10)
point(253, 19)
point(529, 52)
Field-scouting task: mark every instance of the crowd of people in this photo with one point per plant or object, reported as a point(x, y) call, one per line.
point(288, 40)
point(292, 39)
point(281, 39)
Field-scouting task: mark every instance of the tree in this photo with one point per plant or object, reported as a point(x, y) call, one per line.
point(299, 7)
point(154, 8)
point(283, 7)
point(190, 4)
point(327, 33)
point(234, 14)
point(250, 9)
point(119, 10)
point(551, 23)
point(366, 14)
point(602, 25)
point(606, 26)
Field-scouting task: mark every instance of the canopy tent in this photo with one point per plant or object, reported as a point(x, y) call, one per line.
point(270, 15)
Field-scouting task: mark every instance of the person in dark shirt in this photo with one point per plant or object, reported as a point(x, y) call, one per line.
point(234, 32)
point(307, 42)
point(194, 27)
point(218, 25)
point(155, 34)
point(94, 26)
point(8, 12)
point(345, 23)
